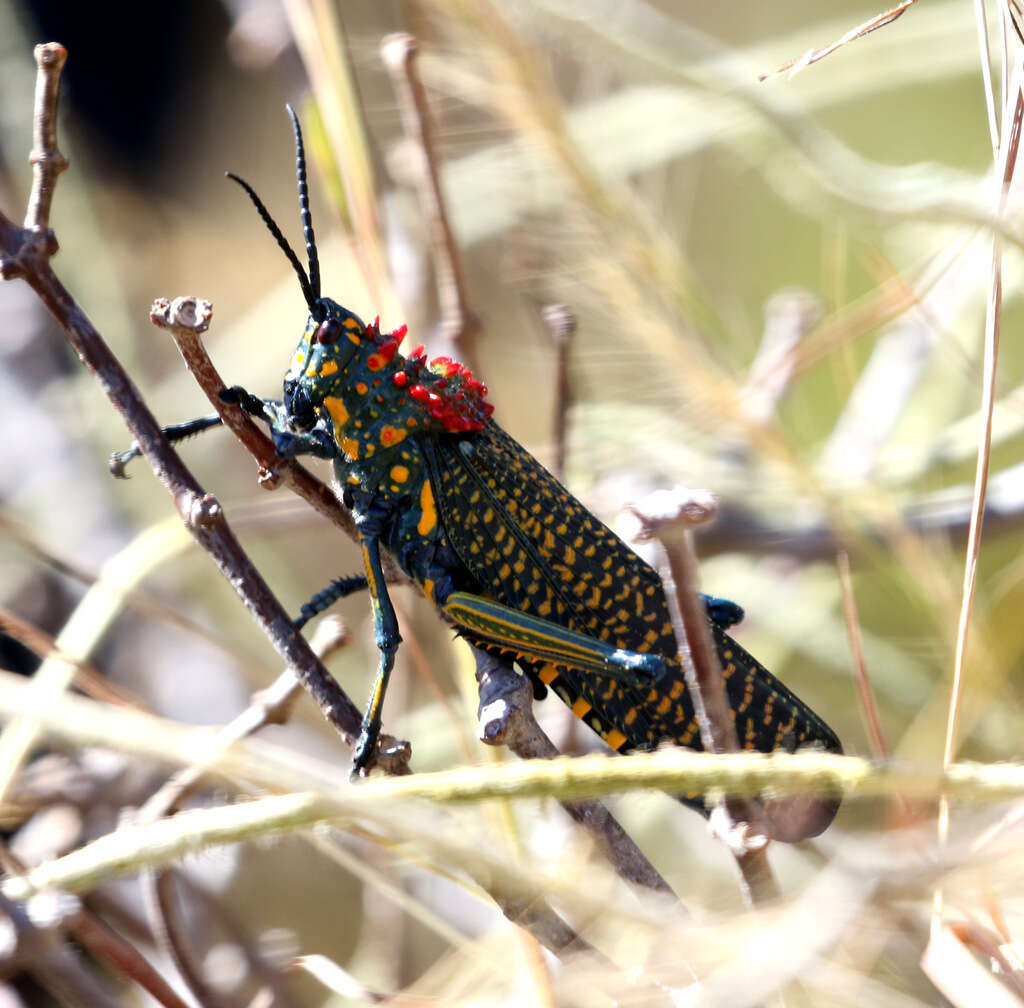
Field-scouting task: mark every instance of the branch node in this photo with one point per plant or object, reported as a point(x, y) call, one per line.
point(665, 512)
point(560, 320)
point(187, 314)
point(204, 511)
point(268, 479)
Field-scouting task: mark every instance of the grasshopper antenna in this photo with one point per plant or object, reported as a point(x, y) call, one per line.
point(304, 211)
point(310, 283)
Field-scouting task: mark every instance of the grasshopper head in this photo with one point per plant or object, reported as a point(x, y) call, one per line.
point(333, 337)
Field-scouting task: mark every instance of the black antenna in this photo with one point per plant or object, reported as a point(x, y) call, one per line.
point(264, 213)
point(304, 212)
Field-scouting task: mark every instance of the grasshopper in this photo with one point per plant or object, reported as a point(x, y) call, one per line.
point(505, 552)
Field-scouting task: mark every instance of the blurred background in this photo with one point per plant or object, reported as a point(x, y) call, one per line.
point(777, 299)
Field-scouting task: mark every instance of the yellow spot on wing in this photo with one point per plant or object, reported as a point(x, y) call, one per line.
point(615, 739)
point(428, 510)
point(548, 674)
point(328, 368)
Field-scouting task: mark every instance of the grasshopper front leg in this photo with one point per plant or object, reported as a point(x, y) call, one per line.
point(387, 638)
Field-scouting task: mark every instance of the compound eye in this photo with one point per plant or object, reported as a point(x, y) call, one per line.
point(329, 331)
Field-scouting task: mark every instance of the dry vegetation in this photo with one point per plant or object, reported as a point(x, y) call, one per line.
point(790, 292)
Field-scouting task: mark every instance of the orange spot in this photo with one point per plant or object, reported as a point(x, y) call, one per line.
point(615, 739)
point(361, 388)
point(580, 708)
point(351, 323)
point(399, 473)
point(391, 435)
point(548, 674)
point(350, 448)
point(329, 367)
point(428, 510)
point(336, 408)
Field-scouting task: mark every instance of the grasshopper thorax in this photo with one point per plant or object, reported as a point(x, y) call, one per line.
point(373, 395)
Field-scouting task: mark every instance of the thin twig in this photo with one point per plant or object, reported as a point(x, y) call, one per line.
point(46, 160)
point(993, 319)
point(794, 66)
point(561, 323)
point(53, 962)
point(869, 706)
point(165, 921)
point(670, 521)
point(109, 947)
point(27, 253)
point(506, 718)
point(186, 319)
point(268, 706)
point(106, 945)
point(868, 703)
point(87, 677)
point(459, 324)
point(981, 25)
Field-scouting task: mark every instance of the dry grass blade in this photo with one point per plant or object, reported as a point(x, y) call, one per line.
point(794, 66)
point(960, 977)
point(993, 320)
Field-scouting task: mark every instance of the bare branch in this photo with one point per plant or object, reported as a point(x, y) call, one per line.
point(46, 160)
point(506, 718)
point(459, 324)
point(669, 517)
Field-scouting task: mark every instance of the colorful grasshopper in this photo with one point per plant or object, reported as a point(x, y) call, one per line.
point(505, 552)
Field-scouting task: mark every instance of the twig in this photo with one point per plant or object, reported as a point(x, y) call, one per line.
point(109, 947)
point(459, 324)
point(27, 253)
point(989, 945)
point(788, 316)
point(561, 323)
point(269, 706)
point(106, 944)
point(46, 160)
point(669, 518)
point(52, 961)
point(506, 718)
point(87, 677)
point(335, 978)
point(959, 977)
point(186, 319)
point(794, 66)
point(993, 320)
point(868, 704)
point(869, 707)
point(946, 512)
point(166, 923)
